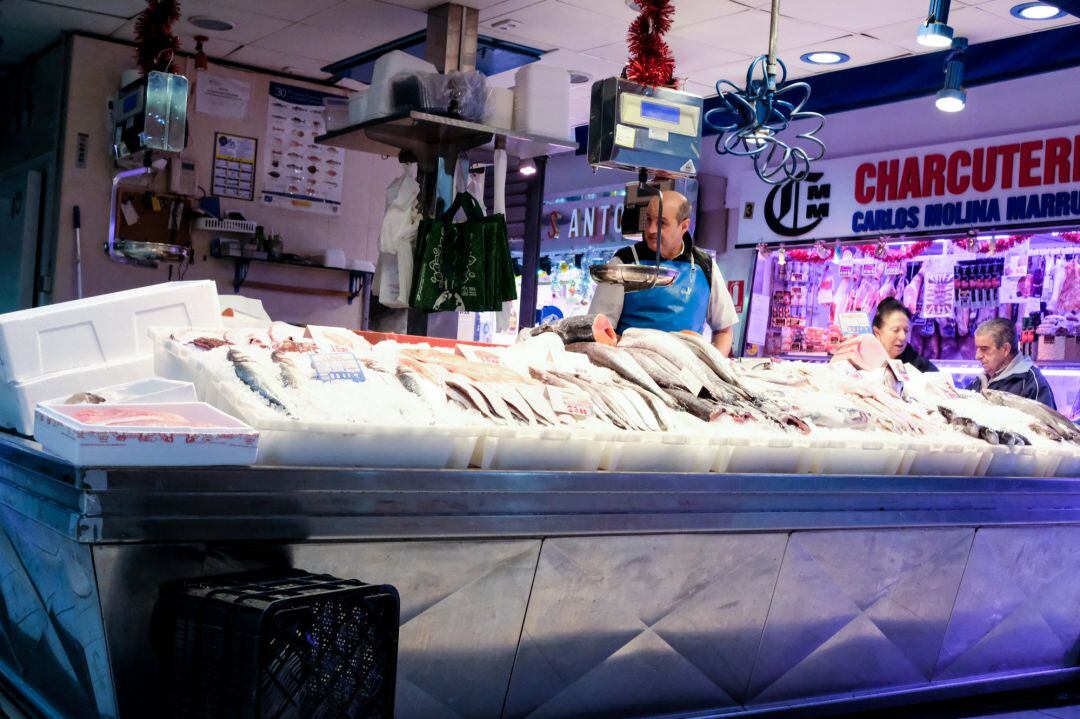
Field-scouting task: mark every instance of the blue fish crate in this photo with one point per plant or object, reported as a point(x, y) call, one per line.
point(276, 644)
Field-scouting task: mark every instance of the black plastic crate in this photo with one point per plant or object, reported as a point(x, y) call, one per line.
point(280, 644)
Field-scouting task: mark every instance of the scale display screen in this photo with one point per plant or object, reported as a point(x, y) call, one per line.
point(663, 113)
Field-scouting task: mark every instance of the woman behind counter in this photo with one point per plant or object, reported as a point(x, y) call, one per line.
point(892, 327)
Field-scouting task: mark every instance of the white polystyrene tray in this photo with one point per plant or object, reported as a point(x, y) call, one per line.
point(99, 330)
point(541, 448)
point(660, 452)
point(227, 442)
point(1069, 463)
point(18, 399)
point(859, 453)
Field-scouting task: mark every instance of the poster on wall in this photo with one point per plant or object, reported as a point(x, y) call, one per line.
point(297, 173)
point(222, 96)
point(939, 290)
point(234, 166)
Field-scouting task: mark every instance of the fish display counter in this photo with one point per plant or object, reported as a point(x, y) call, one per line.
point(564, 594)
point(580, 524)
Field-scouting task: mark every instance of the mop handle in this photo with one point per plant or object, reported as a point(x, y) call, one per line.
point(78, 254)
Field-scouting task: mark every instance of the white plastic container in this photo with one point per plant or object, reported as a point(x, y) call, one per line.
point(227, 441)
point(542, 101)
point(379, 102)
point(930, 457)
point(99, 330)
point(661, 452)
point(19, 399)
point(1013, 462)
point(776, 454)
point(499, 108)
point(541, 449)
point(849, 453)
point(1069, 464)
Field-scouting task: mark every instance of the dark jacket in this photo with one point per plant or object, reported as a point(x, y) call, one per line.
point(1021, 377)
point(916, 360)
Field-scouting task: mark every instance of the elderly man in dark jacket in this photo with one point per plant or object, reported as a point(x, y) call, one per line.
point(1004, 369)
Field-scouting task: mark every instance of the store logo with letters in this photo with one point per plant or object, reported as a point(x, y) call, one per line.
point(797, 206)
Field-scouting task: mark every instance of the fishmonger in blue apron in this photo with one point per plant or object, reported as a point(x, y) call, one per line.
point(698, 297)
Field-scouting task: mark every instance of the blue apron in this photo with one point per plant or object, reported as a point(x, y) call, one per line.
point(682, 305)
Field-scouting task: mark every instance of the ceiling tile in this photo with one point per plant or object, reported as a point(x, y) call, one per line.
point(316, 43)
point(689, 55)
point(863, 50)
point(249, 26)
point(425, 5)
point(974, 24)
point(499, 9)
point(120, 8)
point(747, 33)
point(561, 25)
point(686, 11)
point(1001, 9)
point(854, 15)
point(214, 46)
point(355, 17)
point(277, 61)
point(20, 44)
point(53, 19)
point(284, 9)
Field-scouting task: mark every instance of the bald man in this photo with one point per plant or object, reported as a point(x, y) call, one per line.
point(699, 295)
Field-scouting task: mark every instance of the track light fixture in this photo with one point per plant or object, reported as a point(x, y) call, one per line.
point(935, 30)
point(952, 97)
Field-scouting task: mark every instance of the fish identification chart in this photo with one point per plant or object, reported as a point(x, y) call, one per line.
point(297, 173)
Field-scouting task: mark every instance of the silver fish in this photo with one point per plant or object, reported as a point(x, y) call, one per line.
point(291, 373)
point(248, 371)
point(660, 411)
point(622, 363)
point(424, 389)
point(601, 402)
point(1038, 411)
point(712, 357)
point(460, 388)
point(681, 355)
point(661, 371)
point(700, 408)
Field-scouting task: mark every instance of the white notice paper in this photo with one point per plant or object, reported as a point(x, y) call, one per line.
point(222, 96)
point(759, 319)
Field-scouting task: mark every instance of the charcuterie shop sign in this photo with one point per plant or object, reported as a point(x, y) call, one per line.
point(1009, 181)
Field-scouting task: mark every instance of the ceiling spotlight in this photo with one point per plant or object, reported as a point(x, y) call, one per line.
point(826, 57)
point(527, 168)
point(935, 30)
point(1036, 11)
point(205, 22)
point(952, 97)
point(579, 77)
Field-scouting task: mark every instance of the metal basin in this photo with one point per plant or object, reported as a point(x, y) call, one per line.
point(634, 277)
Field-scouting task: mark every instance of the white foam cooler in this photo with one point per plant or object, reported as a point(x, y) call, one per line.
point(542, 101)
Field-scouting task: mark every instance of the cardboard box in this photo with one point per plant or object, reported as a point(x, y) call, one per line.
point(1058, 349)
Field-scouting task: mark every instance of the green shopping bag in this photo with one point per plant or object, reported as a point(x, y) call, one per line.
point(463, 265)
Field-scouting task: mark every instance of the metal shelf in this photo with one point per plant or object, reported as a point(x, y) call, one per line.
point(424, 134)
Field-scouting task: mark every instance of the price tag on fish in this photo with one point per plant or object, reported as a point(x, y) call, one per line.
point(337, 366)
point(567, 403)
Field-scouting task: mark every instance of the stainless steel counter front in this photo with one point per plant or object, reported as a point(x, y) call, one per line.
point(562, 594)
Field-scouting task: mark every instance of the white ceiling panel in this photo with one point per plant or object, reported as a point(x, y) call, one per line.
point(686, 11)
point(557, 24)
point(19, 44)
point(53, 19)
point(425, 5)
point(970, 22)
point(249, 26)
point(689, 55)
point(284, 9)
point(854, 15)
point(1001, 9)
point(316, 43)
point(862, 49)
point(278, 61)
point(214, 46)
point(747, 33)
point(355, 17)
point(120, 8)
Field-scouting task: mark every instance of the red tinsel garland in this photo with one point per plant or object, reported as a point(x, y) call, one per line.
point(155, 45)
point(651, 61)
point(915, 249)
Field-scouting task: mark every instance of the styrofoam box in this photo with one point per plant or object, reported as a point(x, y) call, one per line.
point(540, 449)
point(661, 452)
point(152, 390)
point(99, 330)
point(227, 442)
point(19, 399)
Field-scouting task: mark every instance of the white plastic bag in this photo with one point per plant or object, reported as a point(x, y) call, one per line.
point(397, 239)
